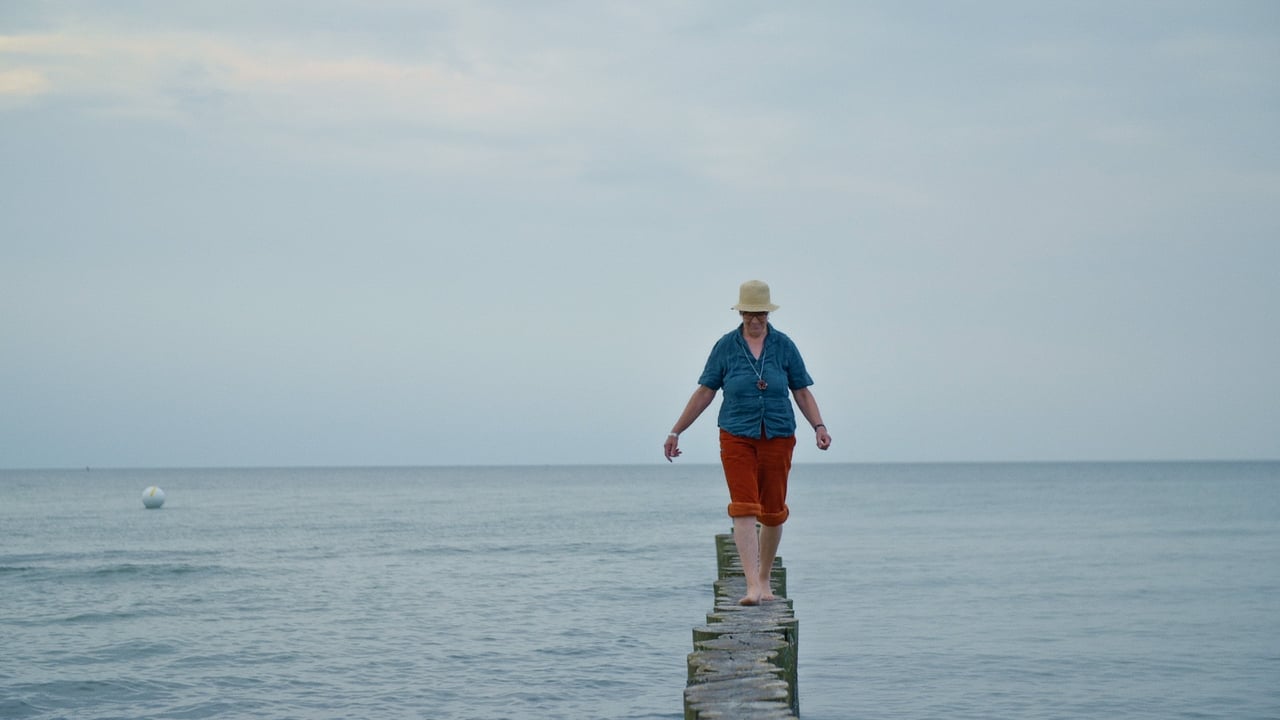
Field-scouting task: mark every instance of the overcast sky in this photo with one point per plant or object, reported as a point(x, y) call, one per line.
point(400, 232)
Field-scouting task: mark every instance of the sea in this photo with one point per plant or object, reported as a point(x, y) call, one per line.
point(1029, 591)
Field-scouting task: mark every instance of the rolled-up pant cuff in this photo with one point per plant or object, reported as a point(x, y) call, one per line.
point(774, 519)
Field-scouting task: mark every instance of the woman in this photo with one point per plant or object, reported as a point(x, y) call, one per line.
point(756, 365)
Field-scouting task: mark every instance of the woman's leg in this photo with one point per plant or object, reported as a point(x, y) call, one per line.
point(741, 465)
point(769, 539)
point(773, 471)
point(747, 540)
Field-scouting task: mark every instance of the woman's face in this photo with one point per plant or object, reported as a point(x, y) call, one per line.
point(755, 323)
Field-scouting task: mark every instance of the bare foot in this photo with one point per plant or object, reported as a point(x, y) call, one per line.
point(750, 600)
point(768, 592)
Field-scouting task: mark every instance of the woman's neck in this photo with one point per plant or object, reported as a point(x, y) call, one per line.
point(755, 343)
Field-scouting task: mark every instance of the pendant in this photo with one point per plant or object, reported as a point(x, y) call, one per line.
point(762, 384)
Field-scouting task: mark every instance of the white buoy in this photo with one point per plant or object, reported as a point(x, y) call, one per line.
point(153, 497)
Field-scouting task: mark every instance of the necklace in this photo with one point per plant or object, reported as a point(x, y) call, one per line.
point(760, 383)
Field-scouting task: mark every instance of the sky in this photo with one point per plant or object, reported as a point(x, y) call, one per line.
point(395, 232)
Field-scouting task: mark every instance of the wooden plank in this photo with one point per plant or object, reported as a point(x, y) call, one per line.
point(744, 660)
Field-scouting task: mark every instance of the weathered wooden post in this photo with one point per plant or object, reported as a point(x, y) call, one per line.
point(744, 660)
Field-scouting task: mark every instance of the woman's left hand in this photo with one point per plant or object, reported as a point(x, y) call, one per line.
point(824, 437)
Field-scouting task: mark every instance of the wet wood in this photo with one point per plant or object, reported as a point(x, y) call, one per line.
point(744, 660)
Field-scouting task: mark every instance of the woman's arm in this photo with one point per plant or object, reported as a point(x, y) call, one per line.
point(698, 402)
point(808, 405)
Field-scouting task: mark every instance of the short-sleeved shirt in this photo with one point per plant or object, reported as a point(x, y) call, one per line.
point(745, 407)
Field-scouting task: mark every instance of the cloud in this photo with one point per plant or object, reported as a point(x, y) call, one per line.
point(318, 104)
point(608, 96)
point(150, 71)
point(23, 82)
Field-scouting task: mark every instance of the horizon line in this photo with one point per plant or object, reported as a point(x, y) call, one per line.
point(396, 466)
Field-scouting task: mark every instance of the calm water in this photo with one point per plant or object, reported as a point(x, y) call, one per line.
point(923, 591)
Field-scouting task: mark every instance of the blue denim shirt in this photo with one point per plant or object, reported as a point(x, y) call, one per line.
point(745, 406)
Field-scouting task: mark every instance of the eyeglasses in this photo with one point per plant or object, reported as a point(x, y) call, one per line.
point(754, 315)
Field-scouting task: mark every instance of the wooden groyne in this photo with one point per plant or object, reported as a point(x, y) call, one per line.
point(743, 664)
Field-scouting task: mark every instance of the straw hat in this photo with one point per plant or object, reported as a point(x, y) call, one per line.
point(753, 296)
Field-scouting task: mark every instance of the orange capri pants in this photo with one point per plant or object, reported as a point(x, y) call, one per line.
point(756, 470)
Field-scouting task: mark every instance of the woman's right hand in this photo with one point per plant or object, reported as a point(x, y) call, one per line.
point(671, 448)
